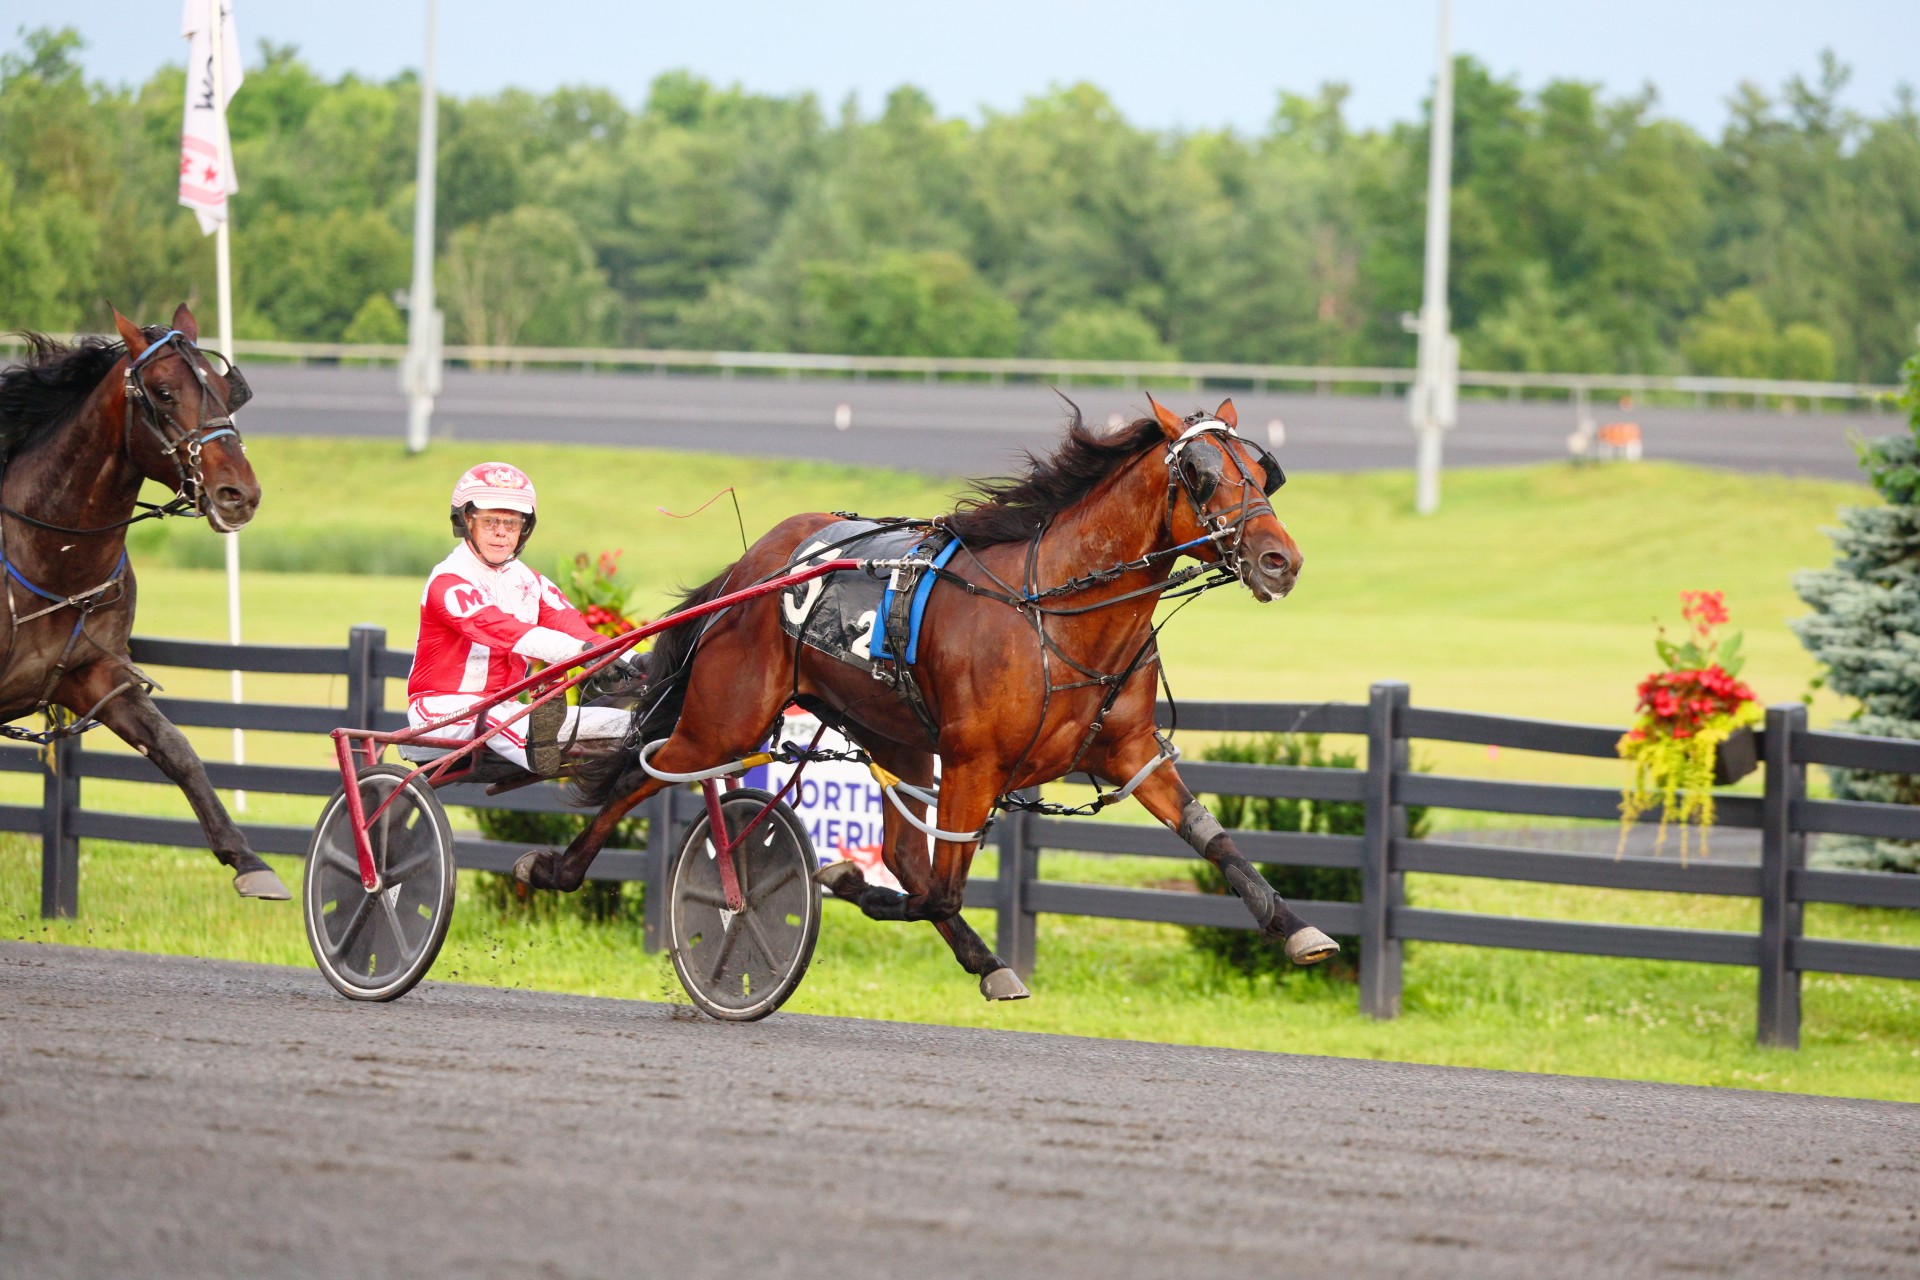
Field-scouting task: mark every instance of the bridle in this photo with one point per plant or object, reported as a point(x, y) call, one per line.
point(1197, 481)
point(183, 447)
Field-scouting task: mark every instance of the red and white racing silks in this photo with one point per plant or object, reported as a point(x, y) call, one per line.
point(479, 626)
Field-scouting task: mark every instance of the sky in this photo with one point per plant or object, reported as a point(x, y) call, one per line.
point(1170, 64)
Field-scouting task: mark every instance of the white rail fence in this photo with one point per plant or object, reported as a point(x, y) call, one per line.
point(1322, 379)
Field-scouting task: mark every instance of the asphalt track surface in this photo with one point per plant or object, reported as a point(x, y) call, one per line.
point(980, 429)
point(166, 1117)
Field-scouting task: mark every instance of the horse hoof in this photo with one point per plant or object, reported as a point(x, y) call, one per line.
point(1003, 984)
point(840, 878)
point(528, 870)
point(262, 884)
point(1310, 946)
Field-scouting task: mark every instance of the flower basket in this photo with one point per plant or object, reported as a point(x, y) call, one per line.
point(1693, 728)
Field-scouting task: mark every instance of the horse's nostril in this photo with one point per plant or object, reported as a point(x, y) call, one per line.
point(1277, 563)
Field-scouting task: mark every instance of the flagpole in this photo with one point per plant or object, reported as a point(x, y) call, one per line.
point(420, 372)
point(223, 275)
point(1436, 382)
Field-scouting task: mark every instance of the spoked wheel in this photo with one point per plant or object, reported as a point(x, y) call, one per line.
point(742, 966)
point(376, 946)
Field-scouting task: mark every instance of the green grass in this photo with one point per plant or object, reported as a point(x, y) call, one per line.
point(1635, 1020)
point(1533, 592)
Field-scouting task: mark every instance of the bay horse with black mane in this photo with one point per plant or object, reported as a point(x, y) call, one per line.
point(1036, 659)
point(81, 427)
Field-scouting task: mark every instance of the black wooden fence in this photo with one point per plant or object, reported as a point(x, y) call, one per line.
point(1783, 814)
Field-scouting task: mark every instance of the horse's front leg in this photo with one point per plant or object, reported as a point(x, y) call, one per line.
point(132, 715)
point(1167, 798)
point(905, 852)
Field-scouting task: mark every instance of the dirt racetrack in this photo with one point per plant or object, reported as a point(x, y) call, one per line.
point(169, 1117)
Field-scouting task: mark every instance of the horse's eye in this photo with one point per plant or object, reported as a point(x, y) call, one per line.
point(163, 394)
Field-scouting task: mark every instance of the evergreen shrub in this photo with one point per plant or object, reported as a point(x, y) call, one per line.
point(1865, 629)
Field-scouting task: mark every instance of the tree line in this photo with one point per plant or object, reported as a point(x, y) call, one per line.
point(1589, 233)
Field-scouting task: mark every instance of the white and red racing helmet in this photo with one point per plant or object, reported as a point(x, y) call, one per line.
point(494, 486)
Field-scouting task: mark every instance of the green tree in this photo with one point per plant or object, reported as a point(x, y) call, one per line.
point(1589, 233)
point(41, 251)
point(1735, 337)
point(525, 276)
point(1105, 333)
point(310, 273)
point(1536, 330)
point(919, 304)
point(377, 322)
point(1864, 630)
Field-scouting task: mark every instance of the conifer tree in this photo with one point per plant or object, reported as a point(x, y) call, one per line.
point(1865, 628)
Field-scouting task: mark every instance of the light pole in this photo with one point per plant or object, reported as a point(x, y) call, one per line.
point(420, 372)
point(1431, 407)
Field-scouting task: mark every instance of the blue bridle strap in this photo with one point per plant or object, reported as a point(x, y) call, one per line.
point(154, 348)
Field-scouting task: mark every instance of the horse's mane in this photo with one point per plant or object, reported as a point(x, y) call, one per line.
point(1012, 508)
point(46, 388)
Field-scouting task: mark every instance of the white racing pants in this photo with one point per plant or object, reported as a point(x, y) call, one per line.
point(594, 726)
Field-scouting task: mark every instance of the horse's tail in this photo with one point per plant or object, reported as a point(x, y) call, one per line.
point(669, 669)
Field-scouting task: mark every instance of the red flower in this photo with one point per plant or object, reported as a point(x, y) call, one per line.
point(1704, 609)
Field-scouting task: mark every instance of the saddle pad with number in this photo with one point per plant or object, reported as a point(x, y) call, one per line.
point(857, 616)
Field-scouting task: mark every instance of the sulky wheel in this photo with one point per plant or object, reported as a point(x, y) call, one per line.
point(376, 946)
point(743, 966)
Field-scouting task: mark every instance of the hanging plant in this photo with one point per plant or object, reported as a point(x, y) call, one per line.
point(1687, 715)
point(593, 585)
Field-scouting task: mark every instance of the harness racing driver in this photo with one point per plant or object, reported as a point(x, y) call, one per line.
point(485, 614)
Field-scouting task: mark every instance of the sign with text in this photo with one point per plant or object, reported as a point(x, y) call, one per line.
point(838, 801)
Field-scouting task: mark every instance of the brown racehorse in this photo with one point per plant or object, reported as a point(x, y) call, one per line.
point(80, 428)
point(1025, 684)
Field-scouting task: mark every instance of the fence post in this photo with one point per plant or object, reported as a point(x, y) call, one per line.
point(660, 842)
point(1782, 852)
point(1017, 924)
point(366, 688)
point(59, 846)
point(1381, 887)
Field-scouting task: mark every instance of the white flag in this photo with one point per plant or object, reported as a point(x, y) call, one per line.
point(206, 153)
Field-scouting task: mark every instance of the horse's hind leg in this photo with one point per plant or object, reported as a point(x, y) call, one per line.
point(567, 871)
point(905, 852)
point(133, 716)
point(725, 718)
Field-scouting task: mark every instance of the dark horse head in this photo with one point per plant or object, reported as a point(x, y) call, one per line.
point(178, 420)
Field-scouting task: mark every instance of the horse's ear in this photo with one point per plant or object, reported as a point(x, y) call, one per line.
point(1226, 414)
point(129, 333)
point(183, 321)
point(1169, 420)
